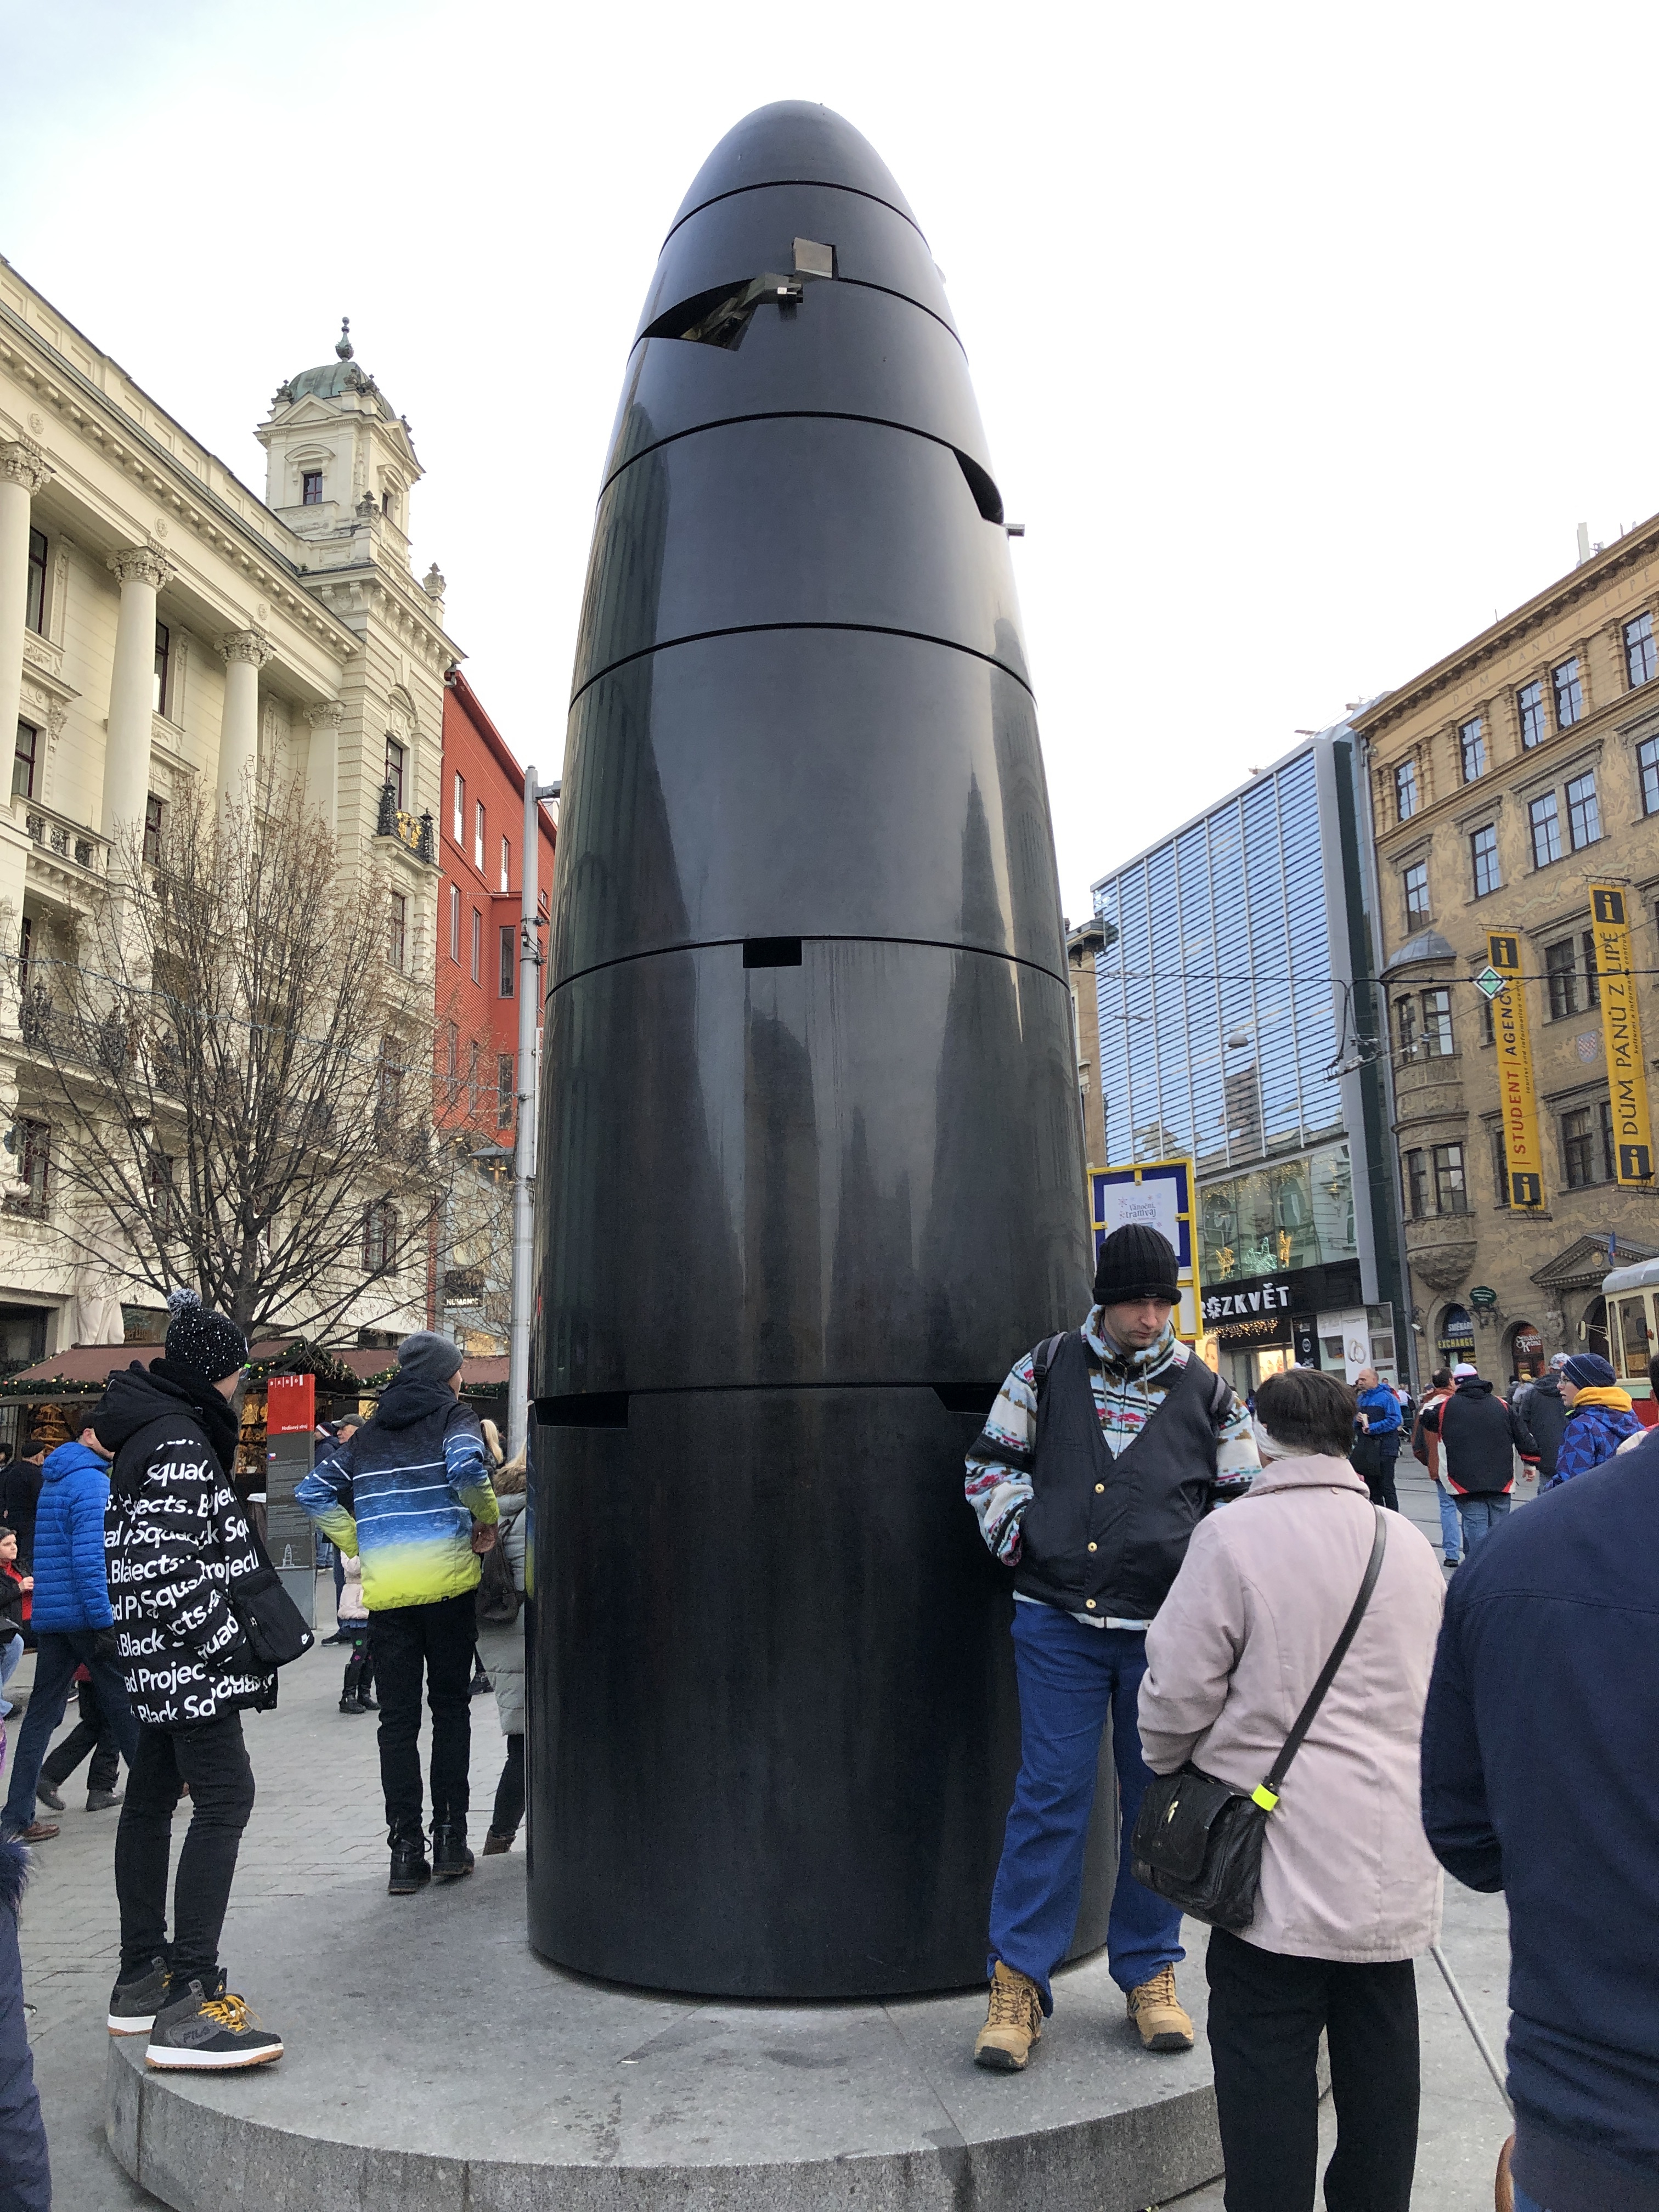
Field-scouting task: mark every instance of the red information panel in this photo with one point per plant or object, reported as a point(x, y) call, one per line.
point(290, 1405)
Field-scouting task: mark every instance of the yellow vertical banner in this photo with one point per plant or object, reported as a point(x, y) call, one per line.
point(1621, 1032)
point(1523, 1154)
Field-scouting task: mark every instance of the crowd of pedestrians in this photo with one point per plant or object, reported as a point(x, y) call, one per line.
point(1237, 1594)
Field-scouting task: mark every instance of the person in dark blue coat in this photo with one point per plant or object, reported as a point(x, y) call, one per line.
point(25, 2170)
point(73, 1623)
point(1538, 1779)
point(1376, 1411)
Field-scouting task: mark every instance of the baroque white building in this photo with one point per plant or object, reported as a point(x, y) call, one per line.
point(160, 626)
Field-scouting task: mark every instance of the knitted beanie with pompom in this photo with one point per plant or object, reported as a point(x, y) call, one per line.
point(203, 1343)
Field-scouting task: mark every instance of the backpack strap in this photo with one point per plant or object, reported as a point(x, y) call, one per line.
point(1043, 1357)
point(1221, 1400)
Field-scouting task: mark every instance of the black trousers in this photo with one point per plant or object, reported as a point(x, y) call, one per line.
point(510, 1791)
point(213, 1758)
point(1380, 1485)
point(91, 1733)
point(1265, 2012)
point(407, 1643)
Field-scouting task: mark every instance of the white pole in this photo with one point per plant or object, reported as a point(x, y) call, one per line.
point(524, 1157)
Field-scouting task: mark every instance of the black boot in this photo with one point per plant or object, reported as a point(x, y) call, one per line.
point(408, 1864)
point(451, 1858)
point(351, 1697)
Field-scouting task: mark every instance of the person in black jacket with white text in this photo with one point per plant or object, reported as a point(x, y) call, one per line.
point(179, 1544)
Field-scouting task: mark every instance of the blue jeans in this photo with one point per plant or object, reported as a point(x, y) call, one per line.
point(1451, 1523)
point(1071, 1677)
point(1525, 2203)
point(60, 1652)
point(10, 1659)
point(1479, 1516)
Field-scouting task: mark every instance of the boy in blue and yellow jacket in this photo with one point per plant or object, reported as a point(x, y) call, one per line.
point(409, 1493)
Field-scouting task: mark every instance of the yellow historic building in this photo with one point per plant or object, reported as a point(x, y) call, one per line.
point(1515, 789)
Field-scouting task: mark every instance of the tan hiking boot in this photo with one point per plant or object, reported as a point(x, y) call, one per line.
point(1013, 2024)
point(1157, 2012)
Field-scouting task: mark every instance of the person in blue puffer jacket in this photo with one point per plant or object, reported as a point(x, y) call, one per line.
point(73, 1623)
point(1600, 1418)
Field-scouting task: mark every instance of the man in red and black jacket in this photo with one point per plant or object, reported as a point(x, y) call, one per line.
point(1480, 1434)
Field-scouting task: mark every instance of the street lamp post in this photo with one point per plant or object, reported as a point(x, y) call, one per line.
point(523, 1149)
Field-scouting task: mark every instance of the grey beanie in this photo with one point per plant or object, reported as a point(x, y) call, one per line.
point(426, 1357)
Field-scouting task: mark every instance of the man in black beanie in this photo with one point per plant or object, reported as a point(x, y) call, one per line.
point(1105, 1447)
point(178, 1543)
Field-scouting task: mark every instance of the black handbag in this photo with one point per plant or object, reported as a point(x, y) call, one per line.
point(273, 1625)
point(1198, 1841)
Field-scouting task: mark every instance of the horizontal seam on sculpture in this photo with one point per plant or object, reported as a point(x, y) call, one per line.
point(859, 284)
point(787, 184)
point(811, 937)
point(776, 415)
point(755, 629)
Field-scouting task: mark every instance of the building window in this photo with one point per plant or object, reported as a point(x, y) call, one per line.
point(1407, 1019)
point(1405, 790)
point(1483, 854)
point(32, 1162)
point(1578, 1148)
point(380, 1237)
point(1607, 1152)
point(154, 814)
point(390, 1102)
point(1487, 1034)
point(25, 761)
point(1416, 882)
point(1640, 660)
point(451, 1062)
point(163, 656)
point(1416, 1185)
point(509, 959)
point(311, 488)
point(396, 756)
point(507, 864)
point(477, 946)
point(1437, 1024)
point(386, 505)
point(504, 1091)
point(1592, 979)
point(1647, 762)
point(1500, 1167)
point(1583, 811)
point(1569, 694)
point(478, 836)
point(1450, 1194)
point(1546, 819)
point(34, 604)
point(1471, 744)
point(163, 1182)
point(397, 927)
point(1561, 968)
point(459, 831)
point(1530, 705)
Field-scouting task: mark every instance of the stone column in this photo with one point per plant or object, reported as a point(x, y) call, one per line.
point(323, 771)
point(23, 470)
point(142, 571)
point(245, 653)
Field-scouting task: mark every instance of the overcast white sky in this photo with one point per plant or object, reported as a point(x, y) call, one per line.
point(1305, 334)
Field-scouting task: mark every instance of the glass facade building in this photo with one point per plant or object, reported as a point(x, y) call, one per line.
point(1239, 1026)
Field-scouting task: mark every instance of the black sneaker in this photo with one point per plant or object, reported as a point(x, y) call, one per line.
point(208, 2031)
point(102, 1801)
point(48, 1795)
point(133, 2004)
point(410, 1870)
point(451, 1858)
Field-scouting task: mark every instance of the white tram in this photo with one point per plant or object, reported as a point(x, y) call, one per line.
point(1633, 1337)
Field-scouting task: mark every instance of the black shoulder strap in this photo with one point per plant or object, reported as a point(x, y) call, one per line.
point(1304, 1719)
point(1041, 1360)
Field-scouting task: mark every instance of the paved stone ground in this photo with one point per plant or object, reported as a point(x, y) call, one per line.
point(318, 1824)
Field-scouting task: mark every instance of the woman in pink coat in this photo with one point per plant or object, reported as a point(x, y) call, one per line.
point(1350, 1891)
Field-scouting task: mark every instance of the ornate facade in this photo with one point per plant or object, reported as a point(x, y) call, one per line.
point(161, 627)
point(1506, 780)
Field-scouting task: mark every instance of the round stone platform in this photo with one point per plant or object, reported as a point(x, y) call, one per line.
point(434, 2061)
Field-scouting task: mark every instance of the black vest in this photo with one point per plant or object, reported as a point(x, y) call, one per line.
point(1105, 1532)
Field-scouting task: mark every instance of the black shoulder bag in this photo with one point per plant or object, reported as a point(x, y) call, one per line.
point(273, 1625)
point(1198, 1841)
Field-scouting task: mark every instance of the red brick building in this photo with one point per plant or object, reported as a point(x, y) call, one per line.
point(480, 859)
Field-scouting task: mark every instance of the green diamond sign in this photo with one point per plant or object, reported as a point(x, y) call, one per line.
point(1490, 981)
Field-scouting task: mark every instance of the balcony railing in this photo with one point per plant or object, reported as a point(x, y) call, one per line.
point(413, 831)
point(55, 833)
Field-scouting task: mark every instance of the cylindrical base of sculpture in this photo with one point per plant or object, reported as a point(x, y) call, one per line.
point(774, 1725)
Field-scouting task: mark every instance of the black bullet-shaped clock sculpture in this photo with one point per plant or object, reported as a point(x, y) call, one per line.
point(809, 1165)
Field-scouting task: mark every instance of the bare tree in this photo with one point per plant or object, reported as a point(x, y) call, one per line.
point(237, 1073)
